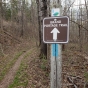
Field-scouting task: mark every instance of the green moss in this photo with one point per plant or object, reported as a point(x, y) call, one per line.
point(9, 65)
point(21, 78)
point(86, 76)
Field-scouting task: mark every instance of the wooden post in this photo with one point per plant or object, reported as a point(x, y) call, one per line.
point(56, 62)
point(59, 66)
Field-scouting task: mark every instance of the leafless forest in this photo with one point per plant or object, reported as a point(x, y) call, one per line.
point(21, 23)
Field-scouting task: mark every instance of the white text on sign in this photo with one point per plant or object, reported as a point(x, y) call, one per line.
point(63, 25)
point(55, 23)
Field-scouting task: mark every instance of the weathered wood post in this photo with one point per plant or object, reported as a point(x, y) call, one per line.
point(56, 61)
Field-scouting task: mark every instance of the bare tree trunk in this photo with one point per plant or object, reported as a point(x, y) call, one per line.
point(80, 29)
point(1, 15)
point(42, 12)
point(87, 17)
point(86, 8)
point(11, 13)
point(39, 26)
point(1, 25)
point(19, 18)
point(22, 12)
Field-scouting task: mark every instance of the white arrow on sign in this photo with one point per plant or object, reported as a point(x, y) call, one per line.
point(55, 31)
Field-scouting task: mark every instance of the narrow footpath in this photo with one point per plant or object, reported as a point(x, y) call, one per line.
point(10, 75)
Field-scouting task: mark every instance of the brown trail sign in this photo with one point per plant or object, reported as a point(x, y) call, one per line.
point(56, 29)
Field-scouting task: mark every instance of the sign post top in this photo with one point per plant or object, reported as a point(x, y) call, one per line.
point(56, 29)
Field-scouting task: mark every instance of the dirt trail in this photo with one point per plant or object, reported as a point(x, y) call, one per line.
point(10, 75)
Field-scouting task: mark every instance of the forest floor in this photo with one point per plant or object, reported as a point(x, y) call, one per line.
point(74, 68)
point(24, 68)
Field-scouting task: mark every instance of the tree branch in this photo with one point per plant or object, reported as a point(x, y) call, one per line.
point(79, 25)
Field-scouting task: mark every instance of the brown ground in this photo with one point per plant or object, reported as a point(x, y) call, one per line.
point(37, 73)
point(10, 75)
point(74, 70)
